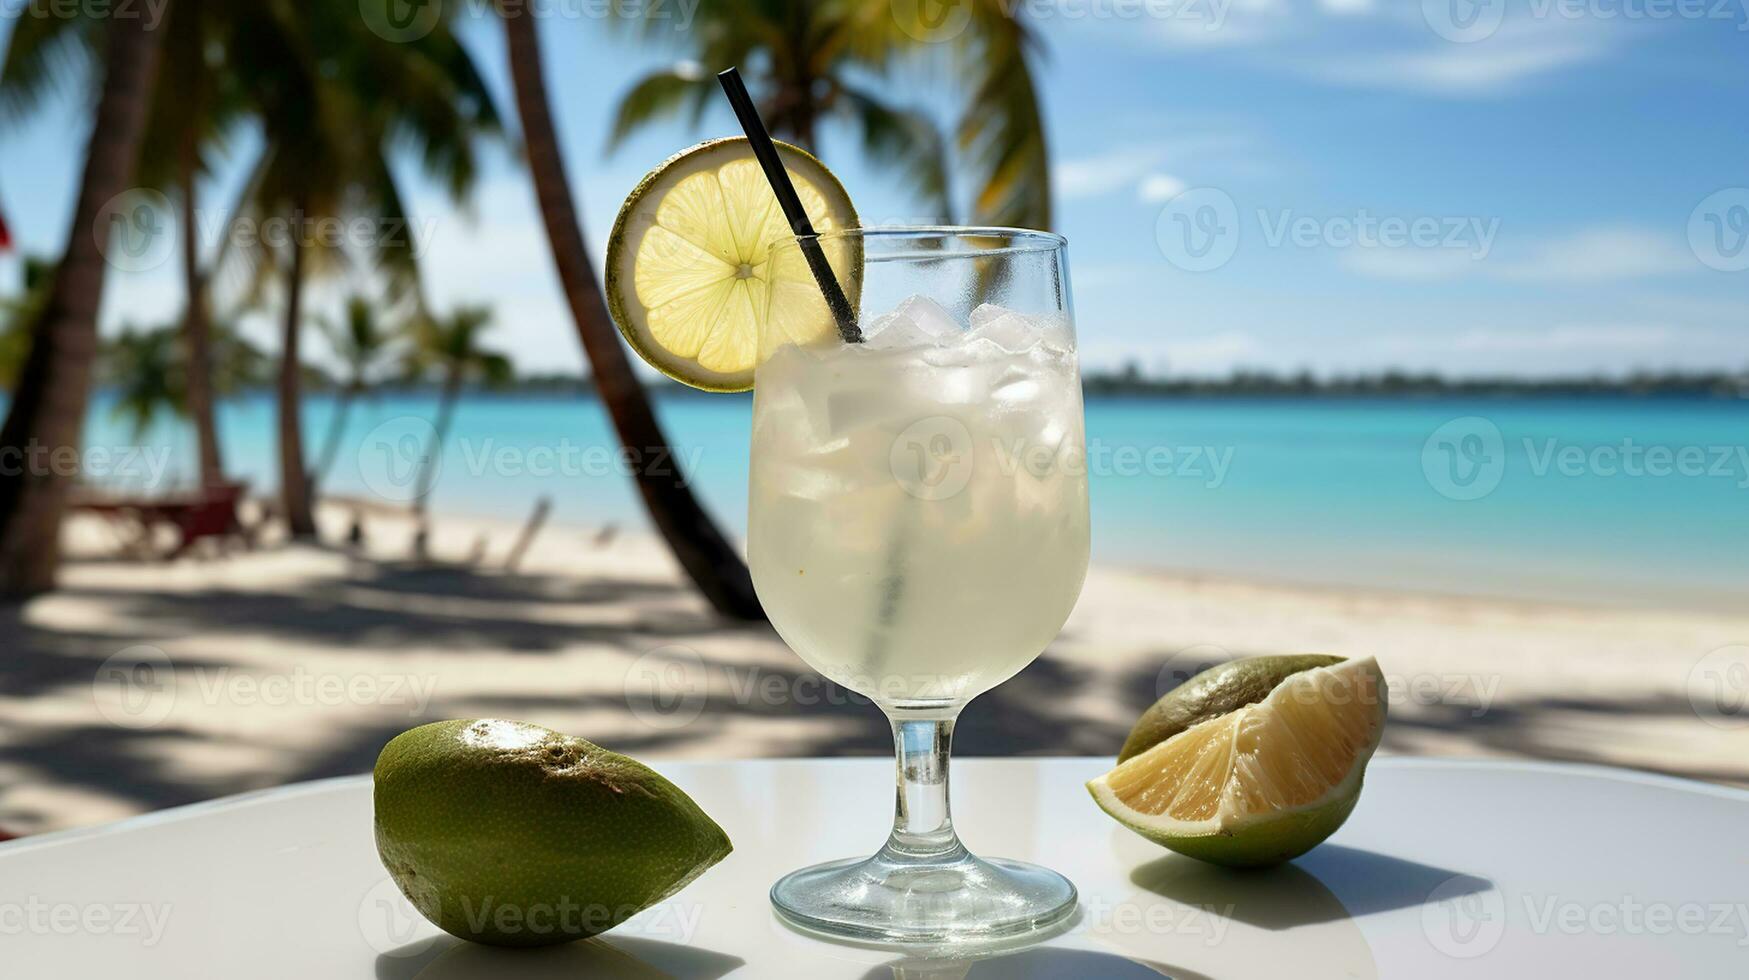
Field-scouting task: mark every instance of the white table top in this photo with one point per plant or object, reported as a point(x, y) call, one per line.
point(1447, 868)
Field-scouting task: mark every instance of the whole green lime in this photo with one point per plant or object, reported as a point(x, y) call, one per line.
point(511, 834)
point(1217, 691)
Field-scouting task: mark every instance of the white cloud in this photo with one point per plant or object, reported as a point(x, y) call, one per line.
point(1528, 348)
point(1517, 53)
point(1599, 254)
point(1138, 165)
point(1569, 338)
point(1388, 45)
point(1411, 264)
point(1105, 172)
point(1157, 188)
point(1603, 254)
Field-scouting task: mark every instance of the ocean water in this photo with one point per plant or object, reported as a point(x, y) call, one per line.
point(1614, 500)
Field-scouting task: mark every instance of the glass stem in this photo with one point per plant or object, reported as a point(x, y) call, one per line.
point(922, 822)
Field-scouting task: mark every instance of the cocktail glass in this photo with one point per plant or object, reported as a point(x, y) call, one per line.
point(918, 533)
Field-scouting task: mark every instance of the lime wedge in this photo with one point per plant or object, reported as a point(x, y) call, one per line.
point(690, 279)
point(1260, 784)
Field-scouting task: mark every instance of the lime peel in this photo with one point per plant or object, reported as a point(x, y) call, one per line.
point(1260, 784)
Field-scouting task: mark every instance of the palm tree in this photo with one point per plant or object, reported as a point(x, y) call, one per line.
point(195, 105)
point(48, 405)
point(362, 343)
point(17, 315)
point(811, 62)
point(700, 547)
point(449, 347)
point(336, 101)
point(148, 372)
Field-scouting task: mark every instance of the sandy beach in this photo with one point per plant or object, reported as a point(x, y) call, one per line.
point(139, 687)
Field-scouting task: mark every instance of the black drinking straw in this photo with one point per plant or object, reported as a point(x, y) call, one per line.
point(799, 225)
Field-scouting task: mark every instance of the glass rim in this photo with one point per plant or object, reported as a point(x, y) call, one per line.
point(1016, 240)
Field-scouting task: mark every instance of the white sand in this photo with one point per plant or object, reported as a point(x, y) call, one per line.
point(295, 662)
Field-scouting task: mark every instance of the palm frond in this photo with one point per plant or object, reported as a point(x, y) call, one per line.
point(1001, 133)
point(659, 95)
point(45, 55)
point(907, 138)
point(146, 368)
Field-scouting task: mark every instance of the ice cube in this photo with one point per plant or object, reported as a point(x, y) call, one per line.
point(1020, 389)
point(917, 322)
point(987, 312)
point(1017, 332)
point(1013, 332)
point(894, 332)
point(929, 315)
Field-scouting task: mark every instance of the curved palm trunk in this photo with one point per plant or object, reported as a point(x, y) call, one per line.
point(48, 407)
point(698, 545)
point(336, 432)
point(293, 477)
point(446, 399)
point(197, 333)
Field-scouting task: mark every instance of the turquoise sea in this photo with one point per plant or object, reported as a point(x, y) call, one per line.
point(1599, 500)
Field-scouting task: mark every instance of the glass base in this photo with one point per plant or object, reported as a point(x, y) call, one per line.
point(953, 899)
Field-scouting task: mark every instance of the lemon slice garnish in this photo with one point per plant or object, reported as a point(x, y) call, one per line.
point(691, 279)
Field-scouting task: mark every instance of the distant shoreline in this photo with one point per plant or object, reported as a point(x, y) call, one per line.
point(1721, 389)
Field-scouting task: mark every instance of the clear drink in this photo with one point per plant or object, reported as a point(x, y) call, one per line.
point(918, 532)
point(918, 510)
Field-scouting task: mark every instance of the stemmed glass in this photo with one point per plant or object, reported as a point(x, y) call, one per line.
point(918, 533)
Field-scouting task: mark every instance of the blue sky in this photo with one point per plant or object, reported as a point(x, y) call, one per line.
point(1562, 189)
